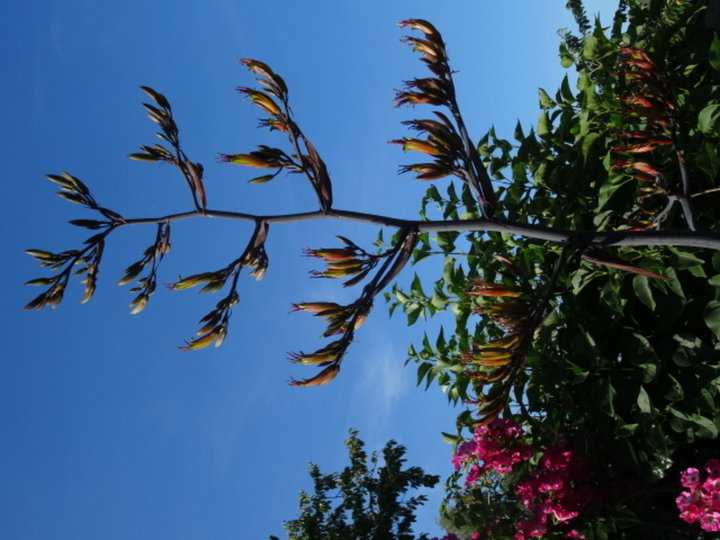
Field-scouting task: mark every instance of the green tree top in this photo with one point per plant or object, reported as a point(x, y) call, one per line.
point(368, 500)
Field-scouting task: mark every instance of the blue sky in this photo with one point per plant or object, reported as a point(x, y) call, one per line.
point(109, 431)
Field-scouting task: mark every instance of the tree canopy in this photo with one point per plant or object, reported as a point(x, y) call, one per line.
point(367, 500)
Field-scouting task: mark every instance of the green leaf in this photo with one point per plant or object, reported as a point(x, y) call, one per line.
point(643, 401)
point(607, 190)
point(422, 371)
point(714, 53)
point(416, 287)
point(587, 144)
point(519, 136)
point(546, 102)
point(712, 317)
point(682, 357)
point(706, 427)
point(648, 372)
point(439, 299)
point(708, 118)
point(565, 89)
point(590, 48)
point(642, 290)
point(450, 439)
point(607, 396)
point(675, 392)
point(626, 430)
point(566, 58)
point(543, 124)
point(446, 240)
point(413, 311)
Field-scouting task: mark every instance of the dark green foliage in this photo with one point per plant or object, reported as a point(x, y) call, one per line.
point(625, 365)
point(366, 501)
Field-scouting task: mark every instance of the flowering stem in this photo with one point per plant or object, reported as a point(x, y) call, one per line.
point(702, 239)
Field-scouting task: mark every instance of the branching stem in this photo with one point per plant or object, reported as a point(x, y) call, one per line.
point(701, 239)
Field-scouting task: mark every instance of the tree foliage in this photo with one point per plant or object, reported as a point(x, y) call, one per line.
point(367, 500)
point(580, 262)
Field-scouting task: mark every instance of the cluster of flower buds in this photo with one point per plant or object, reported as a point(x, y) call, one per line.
point(498, 361)
point(436, 90)
point(342, 320)
point(338, 317)
point(351, 260)
point(509, 313)
point(90, 257)
point(215, 323)
point(72, 189)
point(151, 257)
point(330, 357)
point(651, 107)
point(447, 142)
point(265, 158)
point(273, 100)
point(442, 143)
point(161, 114)
point(275, 86)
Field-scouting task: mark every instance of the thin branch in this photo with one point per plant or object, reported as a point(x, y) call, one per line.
point(701, 239)
point(706, 192)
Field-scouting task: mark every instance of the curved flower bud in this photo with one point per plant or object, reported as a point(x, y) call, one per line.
point(324, 377)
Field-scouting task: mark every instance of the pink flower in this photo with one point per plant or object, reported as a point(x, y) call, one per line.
point(690, 478)
point(509, 428)
point(712, 467)
point(685, 498)
point(561, 513)
point(711, 484)
point(473, 475)
point(463, 453)
point(702, 501)
point(528, 528)
point(710, 521)
point(711, 500)
point(551, 481)
point(691, 513)
point(527, 491)
point(466, 448)
point(495, 444)
point(556, 458)
point(573, 534)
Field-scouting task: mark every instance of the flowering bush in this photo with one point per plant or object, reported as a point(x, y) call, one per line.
point(554, 492)
point(557, 489)
point(702, 500)
point(496, 445)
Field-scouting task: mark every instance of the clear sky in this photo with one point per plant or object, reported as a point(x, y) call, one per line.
point(108, 430)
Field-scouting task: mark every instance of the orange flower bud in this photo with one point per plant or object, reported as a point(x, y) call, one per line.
point(324, 377)
point(314, 307)
point(483, 288)
point(419, 24)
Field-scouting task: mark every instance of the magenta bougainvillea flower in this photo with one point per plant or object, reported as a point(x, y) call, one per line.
point(701, 503)
point(555, 493)
point(495, 447)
